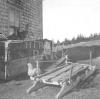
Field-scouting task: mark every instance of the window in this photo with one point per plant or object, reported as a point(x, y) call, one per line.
point(14, 19)
point(35, 52)
point(40, 45)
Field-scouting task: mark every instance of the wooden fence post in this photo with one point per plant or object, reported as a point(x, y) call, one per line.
point(90, 56)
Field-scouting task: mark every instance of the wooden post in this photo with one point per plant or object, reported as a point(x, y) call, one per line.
point(90, 56)
point(5, 72)
point(52, 55)
point(62, 53)
point(63, 50)
point(37, 66)
point(70, 74)
point(6, 51)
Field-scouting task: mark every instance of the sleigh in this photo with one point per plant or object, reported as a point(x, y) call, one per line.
point(66, 76)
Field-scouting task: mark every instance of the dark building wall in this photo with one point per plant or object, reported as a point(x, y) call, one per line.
point(3, 17)
point(19, 13)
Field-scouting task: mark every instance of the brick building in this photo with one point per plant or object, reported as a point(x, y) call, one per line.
point(19, 13)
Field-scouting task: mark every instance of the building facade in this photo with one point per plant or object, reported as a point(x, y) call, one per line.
point(19, 13)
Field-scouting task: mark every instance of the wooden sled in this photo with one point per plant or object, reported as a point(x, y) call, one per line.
point(66, 76)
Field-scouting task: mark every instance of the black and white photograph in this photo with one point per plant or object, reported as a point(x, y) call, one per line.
point(49, 49)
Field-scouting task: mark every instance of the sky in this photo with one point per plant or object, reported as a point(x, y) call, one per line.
point(69, 18)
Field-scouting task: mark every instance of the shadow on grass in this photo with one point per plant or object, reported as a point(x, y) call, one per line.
point(89, 82)
point(20, 77)
point(86, 84)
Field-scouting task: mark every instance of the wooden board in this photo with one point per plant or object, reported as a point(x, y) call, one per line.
point(60, 74)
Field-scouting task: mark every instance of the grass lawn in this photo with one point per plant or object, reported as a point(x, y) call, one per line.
point(16, 89)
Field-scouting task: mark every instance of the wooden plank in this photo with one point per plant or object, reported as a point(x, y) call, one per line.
point(60, 71)
point(62, 75)
point(66, 74)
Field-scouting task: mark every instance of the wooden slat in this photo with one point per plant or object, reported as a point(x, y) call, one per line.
point(55, 74)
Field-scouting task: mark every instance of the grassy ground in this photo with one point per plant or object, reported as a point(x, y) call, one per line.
point(16, 89)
